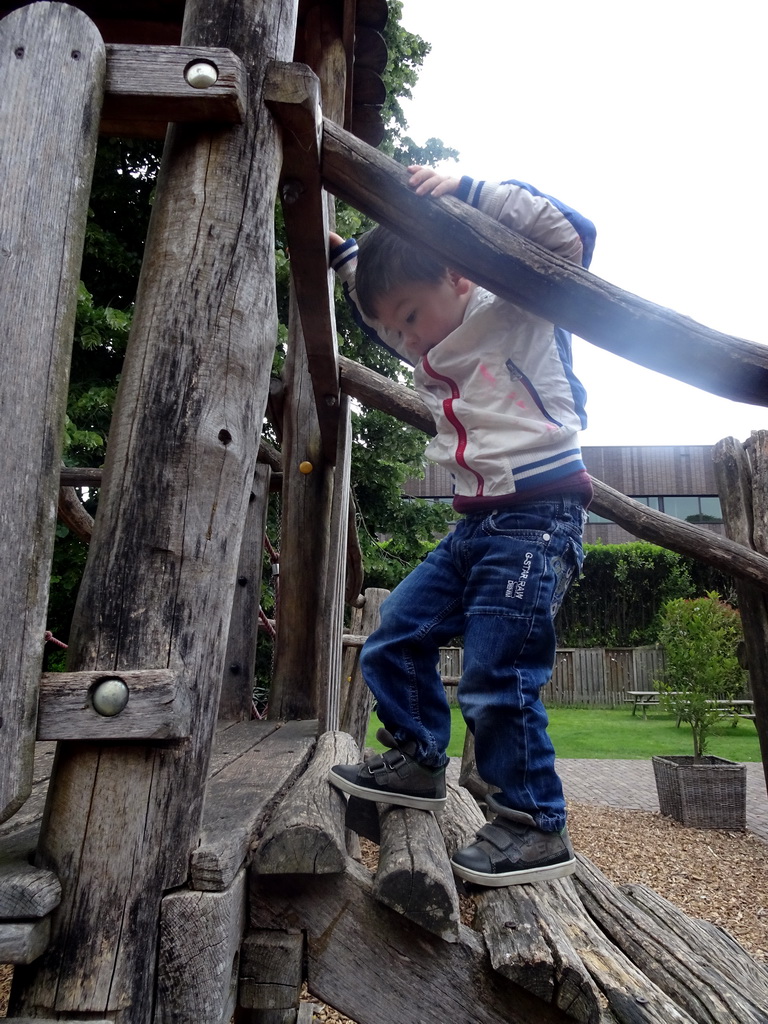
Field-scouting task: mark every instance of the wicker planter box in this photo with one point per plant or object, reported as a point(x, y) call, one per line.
point(709, 794)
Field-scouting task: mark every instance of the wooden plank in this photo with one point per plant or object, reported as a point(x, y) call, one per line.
point(236, 697)
point(414, 877)
point(356, 947)
point(306, 833)
point(22, 942)
point(238, 798)
point(271, 970)
point(122, 819)
point(199, 954)
point(51, 86)
point(25, 890)
point(293, 95)
point(519, 270)
point(232, 742)
point(158, 707)
point(146, 88)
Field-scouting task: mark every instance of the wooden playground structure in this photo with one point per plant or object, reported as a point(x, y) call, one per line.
point(191, 863)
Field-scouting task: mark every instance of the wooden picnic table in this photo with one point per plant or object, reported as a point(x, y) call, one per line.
point(641, 698)
point(738, 708)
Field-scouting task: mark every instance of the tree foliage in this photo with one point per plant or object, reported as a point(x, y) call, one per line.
point(700, 637)
point(640, 578)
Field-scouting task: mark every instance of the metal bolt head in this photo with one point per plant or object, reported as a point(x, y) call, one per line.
point(291, 191)
point(110, 697)
point(201, 75)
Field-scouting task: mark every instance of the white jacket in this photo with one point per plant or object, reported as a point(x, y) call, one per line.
point(501, 387)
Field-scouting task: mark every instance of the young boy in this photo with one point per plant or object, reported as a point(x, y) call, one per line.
point(507, 406)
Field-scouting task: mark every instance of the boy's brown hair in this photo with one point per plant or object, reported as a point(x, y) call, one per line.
point(385, 262)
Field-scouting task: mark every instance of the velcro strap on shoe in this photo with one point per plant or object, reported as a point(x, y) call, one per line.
point(499, 837)
point(381, 766)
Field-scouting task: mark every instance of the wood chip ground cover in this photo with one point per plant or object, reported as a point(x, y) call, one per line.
point(719, 876)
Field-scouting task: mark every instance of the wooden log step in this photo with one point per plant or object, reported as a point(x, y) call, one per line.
point(529, 944)
point(689, 976)
point(414, 876)
point(240, 796)
point(720, 947)
point(306, 834)
point(372, 964)
point(632, 997)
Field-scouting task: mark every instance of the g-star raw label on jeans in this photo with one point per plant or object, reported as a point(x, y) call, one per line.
point(516, 588)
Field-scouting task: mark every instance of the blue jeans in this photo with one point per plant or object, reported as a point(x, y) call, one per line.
point(499, 580)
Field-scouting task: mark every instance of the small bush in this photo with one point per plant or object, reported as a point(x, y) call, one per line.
point(700, 638)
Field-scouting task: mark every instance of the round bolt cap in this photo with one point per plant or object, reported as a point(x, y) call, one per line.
point(201, 75)
point(110, 697)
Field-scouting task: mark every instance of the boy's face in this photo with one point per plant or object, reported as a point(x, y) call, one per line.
point(423, 313)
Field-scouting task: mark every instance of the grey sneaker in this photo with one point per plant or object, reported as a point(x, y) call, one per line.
point(394, 777)
point(511, 850)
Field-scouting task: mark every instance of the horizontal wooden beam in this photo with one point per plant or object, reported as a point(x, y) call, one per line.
point(373, 389)
point(157, 706)
point(292, 93)
point(21, 942)
point(525, 273)
point(79, 476)
point(147, 86)
point(26, 891)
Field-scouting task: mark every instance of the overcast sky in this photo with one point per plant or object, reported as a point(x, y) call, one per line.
point(649, 118)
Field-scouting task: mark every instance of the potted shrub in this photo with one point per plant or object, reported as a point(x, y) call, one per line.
point(700, 637)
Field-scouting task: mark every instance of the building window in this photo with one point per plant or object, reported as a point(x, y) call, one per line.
point(682, 507)
point(691, 508)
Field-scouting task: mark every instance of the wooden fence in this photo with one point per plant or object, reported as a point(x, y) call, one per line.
point(598, 676)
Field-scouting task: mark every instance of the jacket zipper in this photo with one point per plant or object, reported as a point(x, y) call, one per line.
point(516, 374)
point(458, 426)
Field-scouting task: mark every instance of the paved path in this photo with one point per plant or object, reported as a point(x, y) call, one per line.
point(631, 784)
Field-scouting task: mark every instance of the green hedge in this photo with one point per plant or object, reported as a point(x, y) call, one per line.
point(617, 601)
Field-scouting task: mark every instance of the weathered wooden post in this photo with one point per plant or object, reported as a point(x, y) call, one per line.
point(742, 480)
point(122, 819)
point(316, 430)
point(52, 68)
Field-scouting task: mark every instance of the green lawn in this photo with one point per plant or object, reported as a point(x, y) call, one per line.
point(615, 733)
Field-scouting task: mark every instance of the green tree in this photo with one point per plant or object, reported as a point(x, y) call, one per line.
point(700, 638)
